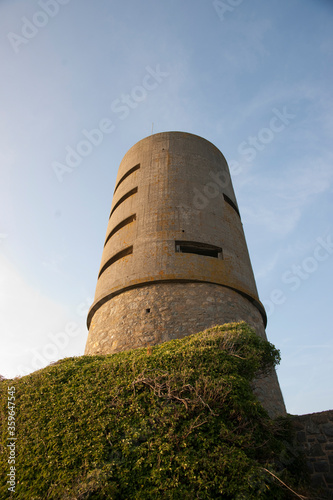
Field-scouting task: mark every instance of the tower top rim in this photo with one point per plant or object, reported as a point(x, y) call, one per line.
point(178, 133)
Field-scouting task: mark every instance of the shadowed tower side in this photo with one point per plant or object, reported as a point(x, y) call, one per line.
point(175, 259)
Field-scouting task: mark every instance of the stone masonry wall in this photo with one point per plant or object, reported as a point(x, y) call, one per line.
point(315, 437)
point(156, 313)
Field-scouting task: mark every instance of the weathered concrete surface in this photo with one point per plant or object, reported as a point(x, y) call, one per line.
point(174, 189)
point(180, 186)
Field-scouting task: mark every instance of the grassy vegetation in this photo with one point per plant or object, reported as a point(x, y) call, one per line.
point(175, 421)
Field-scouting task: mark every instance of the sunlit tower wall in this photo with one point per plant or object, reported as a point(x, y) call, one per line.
point(175, 259)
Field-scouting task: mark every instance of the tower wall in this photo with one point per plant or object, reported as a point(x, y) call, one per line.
point(158, 312)
point(175, 259)
point(158, 201)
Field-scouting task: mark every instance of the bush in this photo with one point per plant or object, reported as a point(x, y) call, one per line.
point(178, 420)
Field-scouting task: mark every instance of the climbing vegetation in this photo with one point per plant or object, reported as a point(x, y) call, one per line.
point(174, 421)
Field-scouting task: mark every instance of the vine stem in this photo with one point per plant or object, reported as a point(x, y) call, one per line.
point(284, 484)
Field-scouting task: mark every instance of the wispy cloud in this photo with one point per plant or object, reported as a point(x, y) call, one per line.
point(248, 42)
point(281, 200)
point(268, 265)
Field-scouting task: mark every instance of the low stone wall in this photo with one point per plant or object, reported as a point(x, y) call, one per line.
point(315, 437)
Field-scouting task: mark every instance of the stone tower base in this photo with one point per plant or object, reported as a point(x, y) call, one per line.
point(155, 313)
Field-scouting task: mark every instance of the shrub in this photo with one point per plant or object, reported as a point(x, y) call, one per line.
point(178, 420)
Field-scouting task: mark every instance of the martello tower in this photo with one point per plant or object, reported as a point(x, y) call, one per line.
point(175, 259)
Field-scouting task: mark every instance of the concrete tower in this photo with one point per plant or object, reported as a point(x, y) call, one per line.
point(175, 259)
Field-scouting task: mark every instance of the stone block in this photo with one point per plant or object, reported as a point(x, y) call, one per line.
point(309, 465)
point(316, 451)
point(317, 481)
point(328, 429)
point(321, 466)
point(301, 437)
point(312, 428)
point(329, 478)
point(319, 418)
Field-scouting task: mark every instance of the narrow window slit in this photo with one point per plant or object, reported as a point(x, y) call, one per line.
point(199, 248)
point(231, 203)
point(115, 258)
point(129, 172)
point(123, 198)
point(119, 226)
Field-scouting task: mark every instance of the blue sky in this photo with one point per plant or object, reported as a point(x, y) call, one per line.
point(253, 77)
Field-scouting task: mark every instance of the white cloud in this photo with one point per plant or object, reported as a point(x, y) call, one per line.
point(308, 181)
point(277, 220)
point(267, 265)
point(281, 200)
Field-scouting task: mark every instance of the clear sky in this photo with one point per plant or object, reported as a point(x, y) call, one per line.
point(254, 77)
